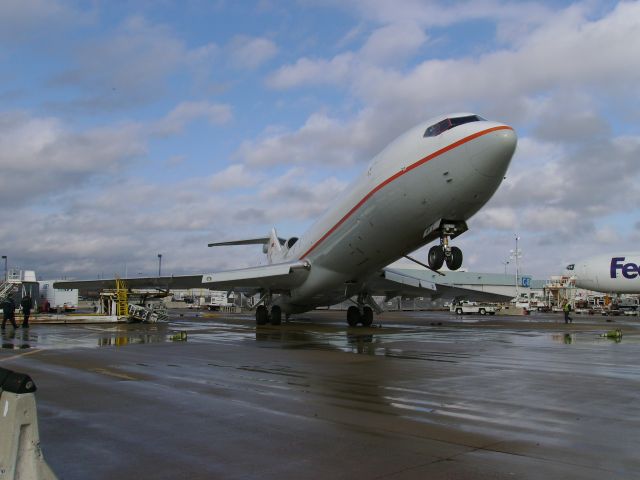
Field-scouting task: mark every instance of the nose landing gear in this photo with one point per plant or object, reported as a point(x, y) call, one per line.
point(444, 253)
point(439, 255)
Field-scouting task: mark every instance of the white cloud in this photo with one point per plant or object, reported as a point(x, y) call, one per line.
point(562, 77)
point(322, 140)
point(186, 112)
point(42, 156)
point(22, 18)
point(131, 65)
point(393, 44)
point(250, 53)
point(234, 176)
point(312, 72)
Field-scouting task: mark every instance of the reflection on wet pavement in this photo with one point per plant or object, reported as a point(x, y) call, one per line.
point(83, 336)
point(302, 335)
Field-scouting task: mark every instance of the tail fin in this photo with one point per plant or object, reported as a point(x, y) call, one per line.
point(274, 247)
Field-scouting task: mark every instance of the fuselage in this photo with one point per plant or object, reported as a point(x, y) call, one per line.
point(610, 273)
point(420, 178)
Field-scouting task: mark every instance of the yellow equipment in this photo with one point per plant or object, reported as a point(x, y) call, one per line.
point(121, 296)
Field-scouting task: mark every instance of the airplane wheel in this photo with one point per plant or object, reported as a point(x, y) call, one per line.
point(454, 261)
point(262, 315)
point(367, 317)
point(435, 258)
point(353, 316)
point(276, 315)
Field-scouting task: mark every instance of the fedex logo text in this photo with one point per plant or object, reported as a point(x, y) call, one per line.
point(629, 270)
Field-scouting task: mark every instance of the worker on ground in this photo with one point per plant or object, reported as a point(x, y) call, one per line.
point(27, 304)
point(8, 312)
point(566, 309)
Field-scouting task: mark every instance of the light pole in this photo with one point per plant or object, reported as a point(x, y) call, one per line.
point(6, 271)
point(505, 263)
point(159, 265)
point(516, 254)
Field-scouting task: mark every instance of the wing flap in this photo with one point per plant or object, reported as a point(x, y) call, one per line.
point(276, 277)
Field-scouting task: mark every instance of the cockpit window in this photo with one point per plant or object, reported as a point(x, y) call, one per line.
point(448, 123)
point(571, 266)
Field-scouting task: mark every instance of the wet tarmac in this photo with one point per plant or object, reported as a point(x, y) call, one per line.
point(424, 395)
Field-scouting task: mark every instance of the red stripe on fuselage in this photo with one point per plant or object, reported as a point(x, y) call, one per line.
point(399, 174)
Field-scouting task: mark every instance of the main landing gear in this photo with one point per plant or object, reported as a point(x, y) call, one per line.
point(361, 313)
point(264, 316)
point(356, 316)
point(439, 254)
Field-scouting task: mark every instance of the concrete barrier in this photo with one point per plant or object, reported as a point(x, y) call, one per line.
point(20, 454)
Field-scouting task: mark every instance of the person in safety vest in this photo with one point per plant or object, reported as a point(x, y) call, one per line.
point(566, 309)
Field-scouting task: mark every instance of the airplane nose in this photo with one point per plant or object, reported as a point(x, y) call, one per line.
point(494, 152)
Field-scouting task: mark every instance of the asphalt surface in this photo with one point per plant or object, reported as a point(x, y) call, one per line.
point(424, 395)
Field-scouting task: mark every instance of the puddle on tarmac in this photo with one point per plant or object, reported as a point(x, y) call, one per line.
point(84, 336)
point(405, 341)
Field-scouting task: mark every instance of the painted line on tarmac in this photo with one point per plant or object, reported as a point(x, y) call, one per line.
point(30, 352)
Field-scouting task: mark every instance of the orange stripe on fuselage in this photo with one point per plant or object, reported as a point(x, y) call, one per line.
point(399, 174)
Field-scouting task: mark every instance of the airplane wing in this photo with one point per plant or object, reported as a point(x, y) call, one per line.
point(452, 291)
point(162, 283)
point(392, 283)
point(277, 277)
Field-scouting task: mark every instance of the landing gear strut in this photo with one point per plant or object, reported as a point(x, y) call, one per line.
point(439, 254)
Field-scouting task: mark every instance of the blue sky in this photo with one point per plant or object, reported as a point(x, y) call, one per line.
point(134, 128)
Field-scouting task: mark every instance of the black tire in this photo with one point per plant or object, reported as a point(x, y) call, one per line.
point(276, 315)
point(367, 316)
point(454, 261)
point(458, 311)
point(353, 316)
point(435, 259)
point(262, 315)
point(483, 311)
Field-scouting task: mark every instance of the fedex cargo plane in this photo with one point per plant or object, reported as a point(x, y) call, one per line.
point(612, 273)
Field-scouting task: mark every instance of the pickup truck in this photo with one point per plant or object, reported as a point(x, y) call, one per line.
point(472, 307)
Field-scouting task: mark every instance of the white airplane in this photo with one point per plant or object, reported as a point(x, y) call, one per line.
point(424, 186)
point(612, 273)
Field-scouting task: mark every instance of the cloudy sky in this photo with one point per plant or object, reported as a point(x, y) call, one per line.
point(133, 128)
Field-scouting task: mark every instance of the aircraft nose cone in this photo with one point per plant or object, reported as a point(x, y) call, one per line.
point(494, 153)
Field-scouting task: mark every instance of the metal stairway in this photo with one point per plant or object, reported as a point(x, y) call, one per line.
point(5, 290)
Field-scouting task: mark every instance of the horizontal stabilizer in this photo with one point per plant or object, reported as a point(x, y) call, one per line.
point(248, 241)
